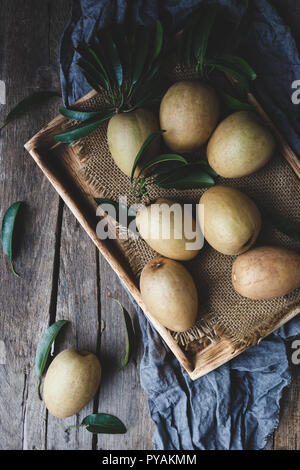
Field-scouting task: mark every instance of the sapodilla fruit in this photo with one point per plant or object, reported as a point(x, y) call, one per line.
point(189, 112)
point(169, 229)
point(230, 221)
point(71, 381)
point(169, 293)
point(240, 145)
point(126, 133)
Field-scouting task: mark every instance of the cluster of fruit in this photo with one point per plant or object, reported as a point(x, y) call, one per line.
point(231, 221)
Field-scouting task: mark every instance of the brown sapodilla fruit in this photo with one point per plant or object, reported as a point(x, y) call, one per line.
point(266, 272)
point(230, 221)
point(126, 133)
point(169, 293)
point(240, 145)
point(189, 112)
point(71, 382)
point(169, 229)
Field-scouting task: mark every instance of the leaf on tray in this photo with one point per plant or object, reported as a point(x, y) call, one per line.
point(141, 152)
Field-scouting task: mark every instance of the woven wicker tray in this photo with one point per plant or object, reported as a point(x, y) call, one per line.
point(61, 166)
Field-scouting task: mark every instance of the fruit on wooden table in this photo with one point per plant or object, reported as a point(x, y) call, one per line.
point(71, 381)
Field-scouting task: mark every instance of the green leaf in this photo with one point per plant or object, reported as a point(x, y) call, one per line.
point(141, 152)
point(159, 36)
point(111, 58)
point(93, 76)
point(82, 130)
point(102, 423)
point(27, 103)
point(242, 81)
point(166, 157)
point(233, 104)
point(141, 49)
point(44, 347)
point(240, 64)
point(75, 115)
point(7, 231)
point(114, 58)
point(202, 36)
point(120, 208)
point(284, 226)
point(129, 333)
point(186, 177)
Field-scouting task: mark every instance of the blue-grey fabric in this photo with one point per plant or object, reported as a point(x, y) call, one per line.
point(237, 405)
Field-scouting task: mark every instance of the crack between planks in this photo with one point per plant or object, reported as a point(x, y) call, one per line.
point(55, 280)
point(24, 411)
point(98, 348)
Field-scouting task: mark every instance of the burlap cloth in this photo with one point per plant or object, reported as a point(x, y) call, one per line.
point(222, 311)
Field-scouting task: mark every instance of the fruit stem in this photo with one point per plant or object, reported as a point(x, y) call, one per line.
point(73, 426)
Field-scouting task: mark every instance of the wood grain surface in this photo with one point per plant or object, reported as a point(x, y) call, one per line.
point(62, 274)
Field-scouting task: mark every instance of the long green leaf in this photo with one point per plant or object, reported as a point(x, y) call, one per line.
point(44, 347)
point(7, 232)
point(186, 177)
point(27, 103)
point(233, 104)
point(291, 229)
point(241, 80)
point(129, 334)
point(76, 115)
point(202, 36)
point(166, 157)
point(82, 130)
point(93, 75)
point(102, 423)
point(114, 58)
point(159, 37)
point(141, 51)
point(240, 64)
point(140, 154)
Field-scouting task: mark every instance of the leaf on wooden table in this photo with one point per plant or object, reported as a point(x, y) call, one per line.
point(7, 231)
point(129, 333)
point(44, 347)
point(27, 103)
point(102, 423)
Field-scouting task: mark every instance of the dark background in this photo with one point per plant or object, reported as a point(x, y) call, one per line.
point(63, 275)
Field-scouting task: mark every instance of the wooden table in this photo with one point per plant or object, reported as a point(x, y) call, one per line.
point(62, 274)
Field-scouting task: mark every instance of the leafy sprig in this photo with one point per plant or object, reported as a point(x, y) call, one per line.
point(208, 47)
point(125, 68)
point(169, 170)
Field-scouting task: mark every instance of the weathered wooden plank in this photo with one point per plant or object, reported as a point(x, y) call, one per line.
point(120, 390)
point(24, 51)
point(77, 301)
